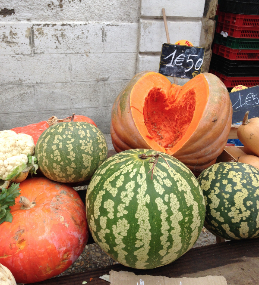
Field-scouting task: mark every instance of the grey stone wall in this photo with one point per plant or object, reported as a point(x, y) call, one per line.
point(60, 57)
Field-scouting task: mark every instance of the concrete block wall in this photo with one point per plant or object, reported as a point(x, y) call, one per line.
point(59, 57)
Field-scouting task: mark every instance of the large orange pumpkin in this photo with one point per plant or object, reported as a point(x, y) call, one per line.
point(48, 232)
point(191, 122)
point(35, 130)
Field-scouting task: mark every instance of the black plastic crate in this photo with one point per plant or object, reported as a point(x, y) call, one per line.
point(249, 7)
point(234, 67)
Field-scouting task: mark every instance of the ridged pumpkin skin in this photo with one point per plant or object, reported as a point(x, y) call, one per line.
point(45, 240)
point(70, 152)
point(191, 122)
point(231, 195)
point(144, 208)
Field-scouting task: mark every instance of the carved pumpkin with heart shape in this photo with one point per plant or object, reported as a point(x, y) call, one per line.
point(191, 122)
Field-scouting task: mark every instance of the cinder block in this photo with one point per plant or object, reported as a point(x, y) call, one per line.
point(76, 10)
point(153, 35)
point(103, 119)
point(102, 66)
point(70, 96)
point(176, 8)
point(111, 90)
point(15, 38)
point(85, 37)
point(21, 69)
point(16, 98)
point(101, 116)
point(148, 62)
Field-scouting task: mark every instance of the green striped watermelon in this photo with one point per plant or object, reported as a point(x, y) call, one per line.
point(70, 152)
point(231, 191)
point(144, 208)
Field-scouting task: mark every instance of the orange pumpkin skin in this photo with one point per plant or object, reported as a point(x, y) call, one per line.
point(191, 122)
point(45, 240)
point(249, 159)
point(35, 130)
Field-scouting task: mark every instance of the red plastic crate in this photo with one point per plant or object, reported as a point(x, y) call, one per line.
point(238, 32)
point(239, 20)
point(235, 54)
point(231, 82)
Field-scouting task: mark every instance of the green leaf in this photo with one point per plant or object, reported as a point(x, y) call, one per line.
point(32, 162)
point(16, 171)
point(7, 199)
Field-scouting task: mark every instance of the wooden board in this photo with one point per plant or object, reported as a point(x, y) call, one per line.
point(237, 261)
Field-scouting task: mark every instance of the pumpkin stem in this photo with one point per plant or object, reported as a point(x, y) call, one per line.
point(245, 120)
point(72, 117)
point(26, 203)
point(54, 120)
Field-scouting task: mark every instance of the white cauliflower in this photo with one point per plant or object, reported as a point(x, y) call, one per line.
point(6, 276)
point(16, 152)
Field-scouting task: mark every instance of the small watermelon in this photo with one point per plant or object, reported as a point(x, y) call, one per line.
point(70, 152)
point(232, 200)
point(144, 208)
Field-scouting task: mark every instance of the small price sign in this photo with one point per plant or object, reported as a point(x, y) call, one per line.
point(245, 100)
point(181, 61)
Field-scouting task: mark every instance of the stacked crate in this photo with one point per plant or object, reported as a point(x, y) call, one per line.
point(235, 50)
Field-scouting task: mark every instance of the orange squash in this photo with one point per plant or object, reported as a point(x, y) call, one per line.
point(191, 122)
point(35, 130)
point(48, 232)
point(248, 134)
point(249, 159)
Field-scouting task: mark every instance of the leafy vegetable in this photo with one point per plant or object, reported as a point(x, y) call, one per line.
point(7, 199)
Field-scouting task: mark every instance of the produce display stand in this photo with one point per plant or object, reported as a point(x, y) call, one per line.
point(237, 261)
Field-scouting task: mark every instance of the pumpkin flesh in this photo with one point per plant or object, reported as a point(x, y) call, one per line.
point(191, 122)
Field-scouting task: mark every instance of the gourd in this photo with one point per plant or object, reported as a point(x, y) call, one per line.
point(6, 276)
point(230, 192)
point(249, 159)
point(48, 231)
point(191, 122)
point(248, 134)
point(70, 152)
point(145, 208)
point(35, 130)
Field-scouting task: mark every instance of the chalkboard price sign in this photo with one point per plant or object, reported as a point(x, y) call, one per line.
point(181, 61)
point(245, 100)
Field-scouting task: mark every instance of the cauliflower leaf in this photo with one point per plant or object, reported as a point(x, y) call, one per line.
point(7, 199)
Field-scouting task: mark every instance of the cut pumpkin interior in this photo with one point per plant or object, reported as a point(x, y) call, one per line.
point(166, 114)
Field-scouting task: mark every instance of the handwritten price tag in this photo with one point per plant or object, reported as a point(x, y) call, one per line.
point(245, 100)
point(181, 61)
